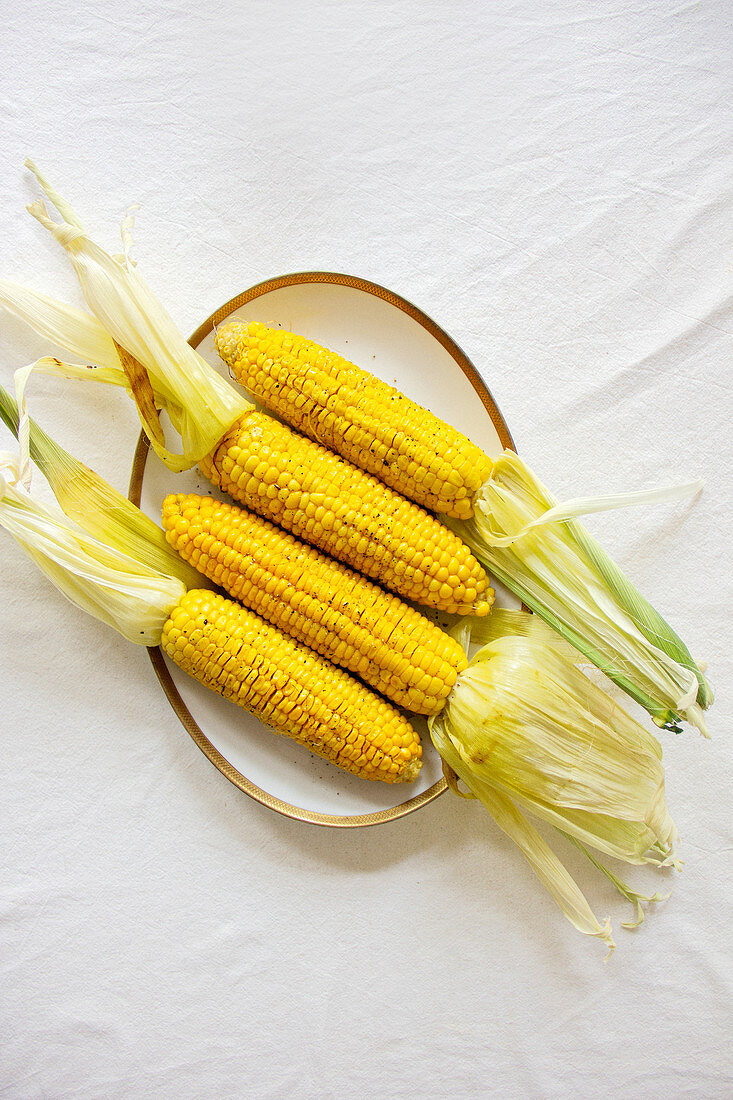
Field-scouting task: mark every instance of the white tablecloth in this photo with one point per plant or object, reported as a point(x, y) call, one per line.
point(552, 183)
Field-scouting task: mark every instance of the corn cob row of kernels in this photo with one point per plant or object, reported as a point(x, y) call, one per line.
point(350, 515)
point(318, 601)
point(291, 689)
point(364, 419)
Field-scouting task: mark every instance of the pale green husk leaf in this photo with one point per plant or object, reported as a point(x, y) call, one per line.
point(636, 898)
point(87, 498)
point(63, 325)
point(105, 582)
point(544, 556)
point(540, 856)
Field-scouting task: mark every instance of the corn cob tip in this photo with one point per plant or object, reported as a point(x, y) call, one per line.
point(481, 607)
point(225, 338)
point(411, 772)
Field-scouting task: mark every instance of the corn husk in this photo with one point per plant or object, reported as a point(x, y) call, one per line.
point(202, 405)
point(532, 737)
point(544, 555)
point(535, 547)
point(86, 498)
point(100, 579)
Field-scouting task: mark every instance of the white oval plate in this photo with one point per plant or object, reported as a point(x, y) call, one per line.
point(393, 339)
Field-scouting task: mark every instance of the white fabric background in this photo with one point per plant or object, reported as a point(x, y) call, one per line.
point(552, 183)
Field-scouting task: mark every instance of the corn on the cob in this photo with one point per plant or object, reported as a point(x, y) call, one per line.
point(292, 690)
point(356, 414)
point(348, 514)
point(322, 603)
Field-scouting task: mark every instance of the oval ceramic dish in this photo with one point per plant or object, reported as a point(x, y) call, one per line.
point(388, 336)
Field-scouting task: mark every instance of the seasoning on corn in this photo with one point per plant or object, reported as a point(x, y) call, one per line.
point(356, 414)
point(322, 603)
point(522, 727)
point(225, 647)
point(516, 529)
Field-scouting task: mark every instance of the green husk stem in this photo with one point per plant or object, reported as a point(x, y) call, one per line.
point(472, 631)
point(87, 498)
point(544, 556)
point(528, 733)
point(202, 405)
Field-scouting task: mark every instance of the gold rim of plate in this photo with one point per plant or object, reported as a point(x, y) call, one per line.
point(189, 723)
